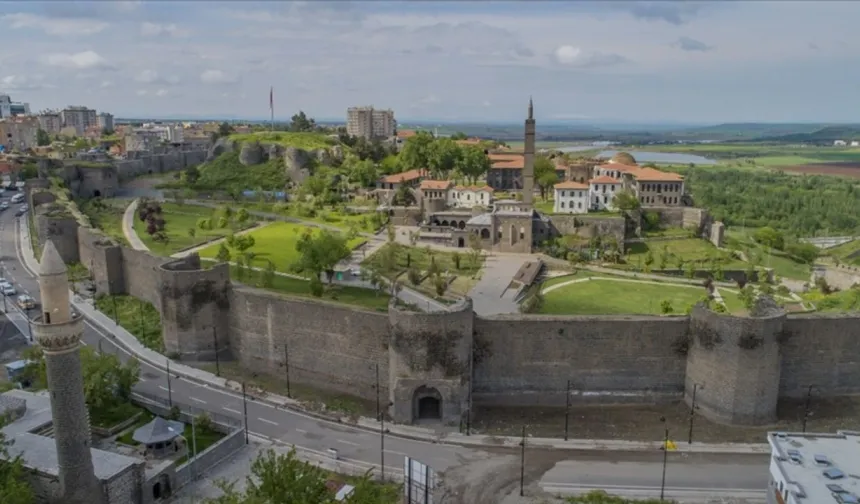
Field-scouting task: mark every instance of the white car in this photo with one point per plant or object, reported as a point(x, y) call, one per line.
point(9, 290)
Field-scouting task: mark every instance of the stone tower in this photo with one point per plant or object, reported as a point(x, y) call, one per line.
point(529, 158)
point(59, 332)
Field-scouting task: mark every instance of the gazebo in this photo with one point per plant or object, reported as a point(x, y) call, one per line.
point(159, 436)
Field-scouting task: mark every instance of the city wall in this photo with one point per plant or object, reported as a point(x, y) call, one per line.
point(739, 366)
point(144, 163)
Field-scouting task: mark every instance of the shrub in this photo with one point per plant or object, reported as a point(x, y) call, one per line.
point(414, 276)
point(441, 285)
point(317, 286)
point(666, 307)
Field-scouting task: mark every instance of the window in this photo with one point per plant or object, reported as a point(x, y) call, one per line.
point(605, 199)
point(562, 194)
point(562, 204)
point(579, 205)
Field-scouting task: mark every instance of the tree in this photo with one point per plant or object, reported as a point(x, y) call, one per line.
point(363, 172)
point(545, 174)
point(414, 276)
point(242, 215)
point(473, 163)
point(301, 122)
point(691, 270)
point(321, 252)
point(440, 283)
point(224, 129)
point(459, 135)
point(626, 200)
point(666, 307)
point(415, 153)
point(455, 257)
point(14, 488)
point(769, 237)
point(442, 157)
point(806, 252)
point(42, 138)
point(389, 165)
point(665, 255)
point(404, 196)
point(223, 254)
point(267, 278)
point(649, 260)
point(475, 245)
point(192, 232)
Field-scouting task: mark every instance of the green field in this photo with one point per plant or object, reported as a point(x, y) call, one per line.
point(305, 141)
point(275, 242)
point(842, 252)
point(781, 263)
point(226, 173)
point(106, 214)
point(136, 316)
point(696, 250)
point(765, 155)
point(606, 296)
point(329, 217)
point(840, 301)
point(179, 219)
point(420, 257)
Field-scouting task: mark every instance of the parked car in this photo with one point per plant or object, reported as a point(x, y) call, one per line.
point(21, 211)
point(25, 302)
point(18, 198)
point(9, 290)
point(4, 206)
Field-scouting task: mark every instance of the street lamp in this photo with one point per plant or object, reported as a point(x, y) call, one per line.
point(693, 408)
point(567, 411)
point(665, 458)
point(806, 412)
point(523, 463)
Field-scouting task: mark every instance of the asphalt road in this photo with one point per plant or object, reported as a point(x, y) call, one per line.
point(616, 471)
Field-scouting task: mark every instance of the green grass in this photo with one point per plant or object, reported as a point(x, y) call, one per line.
point(276, 242)
point(179, 218)
point(204, 437)
point(420, 257)
point(353, 296)
point(305, 141)
point(106, 215)
point(842, 252)
point(689, 249)
point(840, 301)
point(669, 232)
point(108, 417)
point(226, 173)
point(733, 302)
point(616, 297)
point(136, 316)
point(783, 264)
point(328, 216)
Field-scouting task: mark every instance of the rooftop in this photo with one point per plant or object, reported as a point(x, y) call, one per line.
point(570, 184)
point(512, 164)
point(40, 453)
point(650, 174)
point(604, 180)
point(816, 466)
point(474, 188)
point(37, 415)
point(406, 176)
point(436, 184)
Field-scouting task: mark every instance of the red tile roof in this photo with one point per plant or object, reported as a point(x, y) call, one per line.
point(474, 188)
point(406, 176)
point(570, 184)
point(435, 184)
point(650, 174)
point(604, 180)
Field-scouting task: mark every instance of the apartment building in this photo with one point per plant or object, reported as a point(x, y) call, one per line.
point(19, 132)
point(370, 123)
point(78, 117)
point(602, 191)
point(105, 121)
point(571, 197)
point(817, 468)
point(50, 121)
point(8, 108)
point(652, 187)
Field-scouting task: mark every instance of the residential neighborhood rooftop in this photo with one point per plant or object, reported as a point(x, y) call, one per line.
point(570, 184)
point(604, 180)
point(816, 466)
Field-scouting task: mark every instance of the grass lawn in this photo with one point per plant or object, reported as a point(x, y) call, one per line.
point(108, 417)
point(419, 257)
point(306, 141)
point(327, 216)
point(783, 264)
point(843, 251)
point(669, 232)
point(689, 249)
point(354, 296)
point(276, 242)
point(179, 219)
point(135, 316)
point(106, 214)
point(733, 302)
point(616, 297)
point(841, 301)
point(203, 437)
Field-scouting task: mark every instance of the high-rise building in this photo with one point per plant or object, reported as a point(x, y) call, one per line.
point(529, 158)
point(369, 123)
point(50, 121)
point(78, 117)
point(58, 331)
point(19, 132)
point(8, 108)
point(105, 121)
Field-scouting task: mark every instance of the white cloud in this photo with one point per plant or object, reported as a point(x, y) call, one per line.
point(53, 26)
point(575, 57)
point(106, 84)
point(217, 77)
point(426, 101)
point(24, 83)
point(141, 92)
point(486, 103)
point(157, 30)
point(86, 60)
point(566, 54)
point(153, 77)
point(161, 92)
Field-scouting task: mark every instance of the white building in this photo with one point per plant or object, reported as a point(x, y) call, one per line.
point(571, 198)
point(814, 468)
point(839, 143)
point(457, 196)
point(8, 108)
point(105, 121)
point(855, 143)
point(369, 123)
point(602, 192)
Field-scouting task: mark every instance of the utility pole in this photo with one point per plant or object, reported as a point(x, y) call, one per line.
point(665, 460)
point(378, 412)
point(142, 325)
point(215, 346)
point(806, 411)
point(692, 412)
point(115, 312)
point(245, 410)
point(169, 391)
point(194, 442)
point(523, 463)
point(381, 442)
point(567, 411)
point(287, 366)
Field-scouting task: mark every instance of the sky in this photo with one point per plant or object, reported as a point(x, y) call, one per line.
point(647, 62)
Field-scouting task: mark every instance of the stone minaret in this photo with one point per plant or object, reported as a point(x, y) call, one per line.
point(529, 158)
point(59, 334)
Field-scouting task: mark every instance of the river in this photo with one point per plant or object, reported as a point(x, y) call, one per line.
point(647, 156)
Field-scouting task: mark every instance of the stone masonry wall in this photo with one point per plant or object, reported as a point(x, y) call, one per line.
point(141, 273)
point(820, 350)
point(144, 163)
point(329, 345)
point(61, 229)
point(588, 225)
point(103, 259)
point(527, 360)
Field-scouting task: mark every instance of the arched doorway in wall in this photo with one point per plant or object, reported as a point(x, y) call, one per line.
point(161, 489)
point(426, 405)
point(97, 194)
point(485, 234)
point(461, 242)
point(445, 223)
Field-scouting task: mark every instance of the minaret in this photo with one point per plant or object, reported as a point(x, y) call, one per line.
point(529, 158)
point(59, 334)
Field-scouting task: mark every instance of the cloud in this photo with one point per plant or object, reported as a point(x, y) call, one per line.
point(106, 84)
point(161, 92)
point(486, 103)
point(152, 77)
point(426, 101)
point(568, 55)
point(813, 46)
point(676, 13)
point(166, 30)
point(23, 83)
point(53, 26)
point(692, 45)
point(85, 60)
point(141, 92)
point(217, 77)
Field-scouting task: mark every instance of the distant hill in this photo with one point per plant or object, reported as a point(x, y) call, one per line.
point(826, 135)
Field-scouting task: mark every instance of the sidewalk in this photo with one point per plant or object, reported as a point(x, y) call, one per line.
point(128, 227)
point(206, 379)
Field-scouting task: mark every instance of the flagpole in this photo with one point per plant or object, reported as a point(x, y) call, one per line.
point(272, 108)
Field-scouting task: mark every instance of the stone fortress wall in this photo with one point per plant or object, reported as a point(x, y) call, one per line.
point(740, 366)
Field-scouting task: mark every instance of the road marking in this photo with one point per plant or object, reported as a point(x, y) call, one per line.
point(301, 431)
point(267, 421)
point(201, 401)
point(396, 453)
point(348, 442)
point(162, 387)
point(231, 410)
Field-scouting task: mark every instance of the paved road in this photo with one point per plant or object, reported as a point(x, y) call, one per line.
point(360, 445)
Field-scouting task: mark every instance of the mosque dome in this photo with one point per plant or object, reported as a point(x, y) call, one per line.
point(623, 158)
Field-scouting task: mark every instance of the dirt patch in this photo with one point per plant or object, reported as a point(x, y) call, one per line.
point(838, 169)
point(642, 423)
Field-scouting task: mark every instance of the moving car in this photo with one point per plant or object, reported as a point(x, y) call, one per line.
point(21, 211)
point(8, 289)
point(25, 302)
point(18, 198)
point(4, 206)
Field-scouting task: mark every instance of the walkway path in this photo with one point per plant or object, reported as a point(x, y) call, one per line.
point(128, 227)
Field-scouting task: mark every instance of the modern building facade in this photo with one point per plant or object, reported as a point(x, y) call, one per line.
point(19, 132)
point(370, 123)
point(78, 117)
point(50, 121)
point(8, 108)
point(105, 121)
point(808, 468)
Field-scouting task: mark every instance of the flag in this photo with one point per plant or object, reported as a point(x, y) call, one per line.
point(271, 98)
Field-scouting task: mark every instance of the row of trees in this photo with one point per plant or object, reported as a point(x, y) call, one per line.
point(442, 156)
